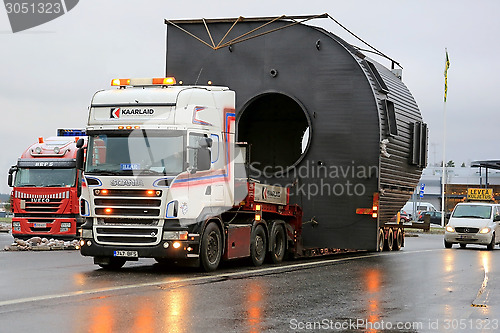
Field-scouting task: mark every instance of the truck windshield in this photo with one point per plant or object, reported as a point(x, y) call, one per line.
point(136, 152)
point(45, 177)
point(472, 211)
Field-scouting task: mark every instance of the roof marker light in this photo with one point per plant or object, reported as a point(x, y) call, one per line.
point(120, 82)
point(167, 81)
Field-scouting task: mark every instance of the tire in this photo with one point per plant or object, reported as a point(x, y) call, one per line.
point(398, 242)
point(211, 248)
point(113, 264)
point(448, 245)
point(402, 221)
point(258, 246)
point(278, 244)
point(491, 245)
point(463, 245)
point(389, 241)
point(381, 242)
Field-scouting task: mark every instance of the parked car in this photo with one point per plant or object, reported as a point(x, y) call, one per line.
point(473, 223)
point(404, 217)
point(419, 208)
point(435, 217)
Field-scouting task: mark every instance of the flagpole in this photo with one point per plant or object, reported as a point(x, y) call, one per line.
point(444, 176)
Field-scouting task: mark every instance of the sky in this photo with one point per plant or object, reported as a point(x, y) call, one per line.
point(49, 73)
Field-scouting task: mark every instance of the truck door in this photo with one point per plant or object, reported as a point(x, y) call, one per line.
point(200, 176)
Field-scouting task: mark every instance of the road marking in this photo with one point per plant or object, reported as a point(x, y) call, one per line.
point(480, 301)
point(253, 272)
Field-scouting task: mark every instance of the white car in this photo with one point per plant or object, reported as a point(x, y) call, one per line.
point(473, 223)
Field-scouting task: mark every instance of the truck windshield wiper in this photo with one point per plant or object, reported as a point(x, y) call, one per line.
point(471, 216)
point(104, 172)
point(152, 172)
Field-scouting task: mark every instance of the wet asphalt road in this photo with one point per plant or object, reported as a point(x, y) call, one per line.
point(423, 288)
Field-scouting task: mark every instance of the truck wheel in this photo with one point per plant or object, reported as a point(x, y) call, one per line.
point(112, 263)
point(211, 248)
point(278, 244)
point(390, 240)
point(491, 245)
point(258, 246)
point(381, 240)
point(448, 245)
point(398, 243)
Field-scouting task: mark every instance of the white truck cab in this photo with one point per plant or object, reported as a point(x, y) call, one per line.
point(159, 160)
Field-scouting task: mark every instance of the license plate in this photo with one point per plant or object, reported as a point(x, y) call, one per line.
point(134, 254)
point(464, 237)
point(40, 225)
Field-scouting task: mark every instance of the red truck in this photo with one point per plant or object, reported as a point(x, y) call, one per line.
point(45, 186)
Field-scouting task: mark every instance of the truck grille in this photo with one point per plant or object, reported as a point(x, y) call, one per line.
point(130, 235)
point(124, 203)
point(42, 203)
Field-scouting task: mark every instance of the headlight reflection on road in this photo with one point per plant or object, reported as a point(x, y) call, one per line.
point(102, 319)
point(449, 261)
point(372, 286)
point(253, 306)
point(176, 309)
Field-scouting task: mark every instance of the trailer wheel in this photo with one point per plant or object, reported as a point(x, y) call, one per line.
point(211, 248)
point(381, 240)
point(390, 240)
point(278, 244)
point(258, 246)
point(112, 263)
point(398, 241)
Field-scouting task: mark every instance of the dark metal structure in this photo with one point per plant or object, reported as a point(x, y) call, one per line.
point(321, 118)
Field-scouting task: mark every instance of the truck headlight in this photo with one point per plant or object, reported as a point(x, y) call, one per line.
point(175, 235)
point(450, 228)
point(485, 230)
point(86, 233)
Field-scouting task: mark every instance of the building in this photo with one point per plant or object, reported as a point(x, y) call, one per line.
point(458, 180)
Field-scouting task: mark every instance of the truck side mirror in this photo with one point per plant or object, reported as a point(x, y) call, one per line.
point(80, 156)
point(79, 143)
point(10, 179)
point(203, 160)
point(209, 142)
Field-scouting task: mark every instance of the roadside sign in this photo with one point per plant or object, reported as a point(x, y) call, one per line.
point(422, 187)
point(485, 194)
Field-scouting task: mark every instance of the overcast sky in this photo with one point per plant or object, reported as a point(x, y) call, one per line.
point(49, 73)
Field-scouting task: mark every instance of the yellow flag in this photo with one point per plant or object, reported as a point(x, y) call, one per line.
point(447, 65)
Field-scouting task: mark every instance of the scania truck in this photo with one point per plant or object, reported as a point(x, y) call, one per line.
point(165, 179)
point(45, 188)
point(313, 140)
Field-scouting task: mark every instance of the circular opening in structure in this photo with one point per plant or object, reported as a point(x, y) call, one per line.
point(278, 131)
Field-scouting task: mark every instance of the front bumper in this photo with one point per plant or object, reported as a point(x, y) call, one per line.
point(462, 238)
point(186, 250)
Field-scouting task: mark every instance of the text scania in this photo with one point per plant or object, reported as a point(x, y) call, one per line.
point(138, 111)
point(126, 182)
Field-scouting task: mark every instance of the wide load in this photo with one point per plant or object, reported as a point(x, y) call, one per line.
point(338, 129)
